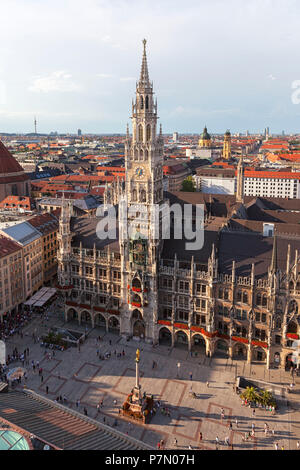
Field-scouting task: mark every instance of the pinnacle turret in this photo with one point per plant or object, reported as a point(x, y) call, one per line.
point(144, 81)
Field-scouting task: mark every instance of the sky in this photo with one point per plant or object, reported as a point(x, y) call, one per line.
point(225, 64)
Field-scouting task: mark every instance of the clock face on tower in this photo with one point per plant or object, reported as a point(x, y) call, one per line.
point(139, 172)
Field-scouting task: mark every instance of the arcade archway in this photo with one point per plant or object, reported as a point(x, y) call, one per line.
point(259, 355)
point(221, 348)
point(100, 321)
point(181, 340)
point(72, 315)
point(86, 318)
point(165, 337)
point(239, 351)
point(114, 325)
point(198, 344)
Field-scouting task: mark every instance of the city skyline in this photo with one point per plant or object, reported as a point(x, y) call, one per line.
point(234, 69)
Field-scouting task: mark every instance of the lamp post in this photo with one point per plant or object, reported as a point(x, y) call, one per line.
point(178, 369)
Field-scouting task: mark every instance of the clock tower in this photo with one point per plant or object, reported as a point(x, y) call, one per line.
point(140, 246)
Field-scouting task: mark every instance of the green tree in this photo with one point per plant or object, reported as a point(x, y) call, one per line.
point(188, 185)
point(250, 394)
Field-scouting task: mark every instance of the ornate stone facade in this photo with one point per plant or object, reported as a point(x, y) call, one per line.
point(214, 299)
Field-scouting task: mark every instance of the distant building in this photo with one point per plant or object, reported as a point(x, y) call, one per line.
point(31, 242)
point(257, 183)
point(205, 139)
point(227, 146)
point(11, 272)
point(175, 137)
point(176, 172)
point(47, 225)
point(79, 133)
point(13, 179)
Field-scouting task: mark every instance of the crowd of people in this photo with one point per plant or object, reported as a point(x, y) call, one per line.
point(13, 323)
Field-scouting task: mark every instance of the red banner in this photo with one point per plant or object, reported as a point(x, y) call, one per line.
point(259, 343)
point(164, 322)
point(181, 325)
point(292, 336)
point(240, 340)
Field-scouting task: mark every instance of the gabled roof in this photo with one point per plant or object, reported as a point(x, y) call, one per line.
point(23, 233)
point(61, 427)
point(8, 164)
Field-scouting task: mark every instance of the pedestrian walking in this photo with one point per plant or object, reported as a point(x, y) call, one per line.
point(298, 445)
point(276, 446)
point(98, 408)
point(236, 423)
point(191, 376)
point(175, 442)
point(207, 384)
point(200, 436)
point(47, 389)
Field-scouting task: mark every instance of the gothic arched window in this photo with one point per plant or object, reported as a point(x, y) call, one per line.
point(143, 195)
point(146, 154)
point(140, 133)
point(147, 102)
point(148, 133)
point(134, 195)
point(142, 102)
point(264, 300)
point(258, 299)
point(245, 298)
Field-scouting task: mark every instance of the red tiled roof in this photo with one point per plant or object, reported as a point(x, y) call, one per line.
point(8, 246)
point(272, 174)
point(17, 202)
point(45, 223)
point(8, 164)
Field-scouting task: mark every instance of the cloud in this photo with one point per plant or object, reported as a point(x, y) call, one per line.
point(59, 80)
point(104, 75)
point(128, 79)
point(272, 77)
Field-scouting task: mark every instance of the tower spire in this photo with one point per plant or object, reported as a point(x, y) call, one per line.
point(144, 77)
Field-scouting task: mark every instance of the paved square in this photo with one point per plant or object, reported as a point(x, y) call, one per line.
point(188, 427)
point(53, 383)
point(87, 372)
point(126, 382)
point(82, 375)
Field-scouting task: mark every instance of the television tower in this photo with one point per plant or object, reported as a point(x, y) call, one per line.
point(35, 125)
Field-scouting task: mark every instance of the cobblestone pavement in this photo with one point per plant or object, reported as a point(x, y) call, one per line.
point(81, 375)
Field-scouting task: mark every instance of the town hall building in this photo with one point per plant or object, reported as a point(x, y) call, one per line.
point(239, 295)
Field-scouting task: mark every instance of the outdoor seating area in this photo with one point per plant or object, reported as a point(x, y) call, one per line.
point(40, 299)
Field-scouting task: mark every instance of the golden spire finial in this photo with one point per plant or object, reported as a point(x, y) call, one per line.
point(137, 355)
point(144, 42)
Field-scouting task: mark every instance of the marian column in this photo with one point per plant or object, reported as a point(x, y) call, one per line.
point(137, 388)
